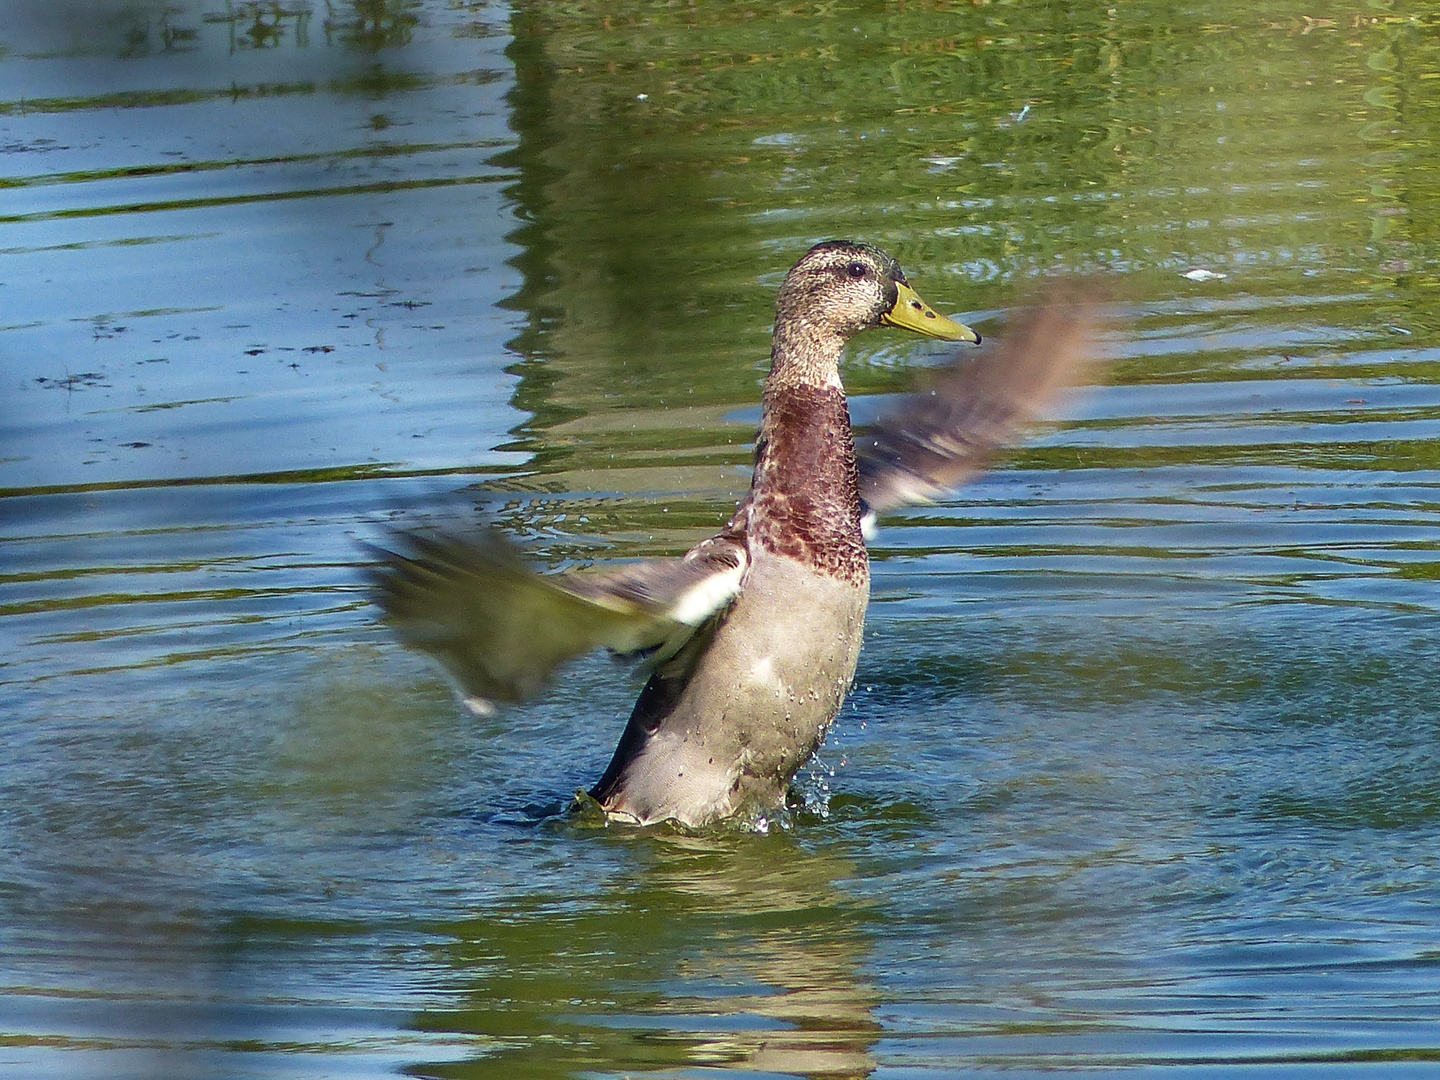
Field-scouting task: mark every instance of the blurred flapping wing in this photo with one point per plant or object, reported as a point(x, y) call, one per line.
point(501, 629)
point(938, 439)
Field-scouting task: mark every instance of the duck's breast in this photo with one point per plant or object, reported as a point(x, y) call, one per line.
point(756, 705)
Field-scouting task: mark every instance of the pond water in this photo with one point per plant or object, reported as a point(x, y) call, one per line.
point(1140, 770)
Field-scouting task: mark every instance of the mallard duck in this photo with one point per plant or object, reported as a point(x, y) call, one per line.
point(753, 636)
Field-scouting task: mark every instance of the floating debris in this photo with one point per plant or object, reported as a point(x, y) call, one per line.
point(70, 382)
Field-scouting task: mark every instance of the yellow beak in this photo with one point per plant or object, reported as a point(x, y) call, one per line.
point(912, 313)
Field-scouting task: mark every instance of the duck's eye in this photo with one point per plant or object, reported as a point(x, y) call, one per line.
point(857, 270)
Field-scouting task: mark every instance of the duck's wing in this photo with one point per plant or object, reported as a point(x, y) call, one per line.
point(500, 628)
point(940, 438)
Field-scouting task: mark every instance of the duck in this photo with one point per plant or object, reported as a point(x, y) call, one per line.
point(753, 636)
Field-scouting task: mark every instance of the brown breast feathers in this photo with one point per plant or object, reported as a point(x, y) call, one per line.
point(805, 502)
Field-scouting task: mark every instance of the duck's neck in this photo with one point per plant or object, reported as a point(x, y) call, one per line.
point(803, 353)
point(805, 495)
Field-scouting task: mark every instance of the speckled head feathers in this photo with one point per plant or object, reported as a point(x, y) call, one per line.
point(840, 286)
point(836, 290)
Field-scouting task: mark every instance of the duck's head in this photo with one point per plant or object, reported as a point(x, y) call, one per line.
point(841, 288)
point(846, 287)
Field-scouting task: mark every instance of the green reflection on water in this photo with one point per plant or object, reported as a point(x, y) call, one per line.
point(737, 952)
point(674, 161)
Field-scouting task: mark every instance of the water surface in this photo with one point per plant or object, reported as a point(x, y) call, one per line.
point(1139, 774)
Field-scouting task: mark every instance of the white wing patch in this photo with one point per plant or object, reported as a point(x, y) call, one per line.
point(479, 706)
point(700, 601)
